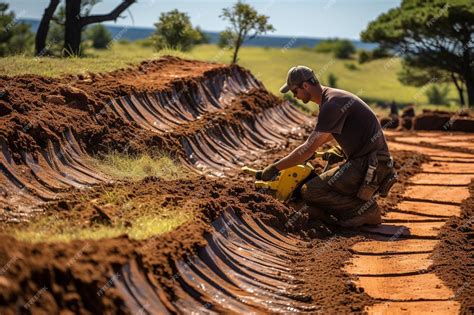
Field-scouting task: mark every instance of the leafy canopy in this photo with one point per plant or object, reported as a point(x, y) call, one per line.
point(245, 24)
point(174, 30)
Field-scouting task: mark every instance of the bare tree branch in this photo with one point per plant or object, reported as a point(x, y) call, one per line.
point(113, 15)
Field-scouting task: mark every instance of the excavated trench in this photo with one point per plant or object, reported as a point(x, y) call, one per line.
point(239, 255)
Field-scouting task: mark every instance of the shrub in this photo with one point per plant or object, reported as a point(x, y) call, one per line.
point(332, 80)
point(341, 48)
point(437, 95)
point(380, 52)
point(364, 56)
point(99, 35)
point(351, 66)
point(174, 30)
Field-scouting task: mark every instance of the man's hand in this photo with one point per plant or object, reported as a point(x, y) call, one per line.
point(304, 151)
point(269, 172)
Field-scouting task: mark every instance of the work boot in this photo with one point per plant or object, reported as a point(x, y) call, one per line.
point(371, 216)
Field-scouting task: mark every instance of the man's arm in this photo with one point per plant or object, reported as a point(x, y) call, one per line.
point(304, 151)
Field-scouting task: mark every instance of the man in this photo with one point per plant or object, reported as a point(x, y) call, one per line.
point(345, 193)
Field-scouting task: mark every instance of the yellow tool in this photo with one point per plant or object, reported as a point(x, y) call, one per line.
point(286, 183)
point(291, 178)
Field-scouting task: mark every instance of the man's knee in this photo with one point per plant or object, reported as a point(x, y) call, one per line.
point(314, 190)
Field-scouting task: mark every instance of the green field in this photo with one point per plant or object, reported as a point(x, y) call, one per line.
point(373, 81)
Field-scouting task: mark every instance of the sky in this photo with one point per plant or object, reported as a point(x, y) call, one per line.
point(299, 18)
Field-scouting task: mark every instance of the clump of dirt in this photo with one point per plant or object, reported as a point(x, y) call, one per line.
point(408, 112)
point(407, 123)
point(454, 256)
point(389, 122)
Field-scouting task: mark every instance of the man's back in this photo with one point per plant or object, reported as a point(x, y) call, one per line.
point(351, 122)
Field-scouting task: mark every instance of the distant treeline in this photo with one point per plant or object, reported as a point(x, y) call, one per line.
point(136, 33)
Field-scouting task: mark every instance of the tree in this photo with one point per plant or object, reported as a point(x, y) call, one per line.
point(55, 36)
point(245, 24)
point(14, 37)
point(341, 48)
point(174, 30)
point(100, 36)
point(430, 34)
point(76, 18)
point(43, 28)
point(76, 22)
point(410, 75)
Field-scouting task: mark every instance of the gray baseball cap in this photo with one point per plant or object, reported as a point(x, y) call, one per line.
point(296, 76)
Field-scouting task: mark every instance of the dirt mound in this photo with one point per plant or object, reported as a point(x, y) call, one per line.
point(407, 123)
point(41, 109)
point(444, 121)
point(389, 123)
point(408, 112)
point(431, 122)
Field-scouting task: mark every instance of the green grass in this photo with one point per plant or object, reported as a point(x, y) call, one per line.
point(122, 166)
point(373, 81)
point(139, 217)
point(52, 229)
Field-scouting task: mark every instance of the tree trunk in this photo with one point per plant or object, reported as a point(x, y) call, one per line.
point(43, 28)
point(468, 73)
point(470, 90)
point(238, 43)
point(73, 29)
point(459, 87)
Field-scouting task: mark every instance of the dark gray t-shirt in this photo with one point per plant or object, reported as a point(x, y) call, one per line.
point(351, 122)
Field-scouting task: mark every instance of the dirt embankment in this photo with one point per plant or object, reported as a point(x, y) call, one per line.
point(454, 256)
point(35, 110)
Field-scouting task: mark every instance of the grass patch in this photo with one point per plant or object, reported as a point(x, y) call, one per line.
point(123, 166)
point(53, 230)
point(123, 213)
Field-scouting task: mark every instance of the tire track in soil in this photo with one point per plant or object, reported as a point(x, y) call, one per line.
point(394, 267)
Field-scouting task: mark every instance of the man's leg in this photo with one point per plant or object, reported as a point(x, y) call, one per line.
point(335, 191)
